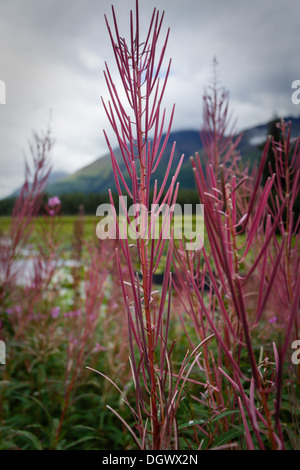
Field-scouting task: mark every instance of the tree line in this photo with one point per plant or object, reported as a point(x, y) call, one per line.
point(71, 203)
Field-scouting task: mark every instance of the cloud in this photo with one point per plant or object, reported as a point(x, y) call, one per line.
point(52, 55)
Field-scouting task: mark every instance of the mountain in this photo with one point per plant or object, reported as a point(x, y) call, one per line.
point(97, 177)
point(253, 138)
point(52, 179)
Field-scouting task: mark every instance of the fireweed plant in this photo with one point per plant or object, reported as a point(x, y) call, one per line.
point(252, 271)
point(229, 380)
point(245, 282)
point(50, 334)
point(140, 66)
point(26, 207)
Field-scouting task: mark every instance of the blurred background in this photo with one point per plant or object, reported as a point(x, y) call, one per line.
point(52, 56)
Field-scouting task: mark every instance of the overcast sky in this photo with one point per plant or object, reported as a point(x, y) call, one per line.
point(52, 55)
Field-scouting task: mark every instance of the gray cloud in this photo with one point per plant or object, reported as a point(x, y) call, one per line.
point(52, 55)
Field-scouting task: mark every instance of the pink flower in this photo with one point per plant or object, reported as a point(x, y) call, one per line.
point(54, 201)
point(273, 320)
point(55, 312)
point(53, 206)
point(98, 347)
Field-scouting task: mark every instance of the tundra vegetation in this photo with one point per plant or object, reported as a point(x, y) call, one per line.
point(99, 354)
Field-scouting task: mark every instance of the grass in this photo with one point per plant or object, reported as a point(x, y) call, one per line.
point(90, 222)
point(66, 226)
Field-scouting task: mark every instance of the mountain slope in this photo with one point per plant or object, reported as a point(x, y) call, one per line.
point(97, 177)
point(53, 178)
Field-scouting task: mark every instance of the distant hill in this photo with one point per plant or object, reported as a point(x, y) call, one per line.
point(255, 136)
point(53, 178)
point(97, 177)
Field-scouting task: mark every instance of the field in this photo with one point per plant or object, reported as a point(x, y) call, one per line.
point(71, 320)
point(149, 342)
point(66, 227)
point(44, 359)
